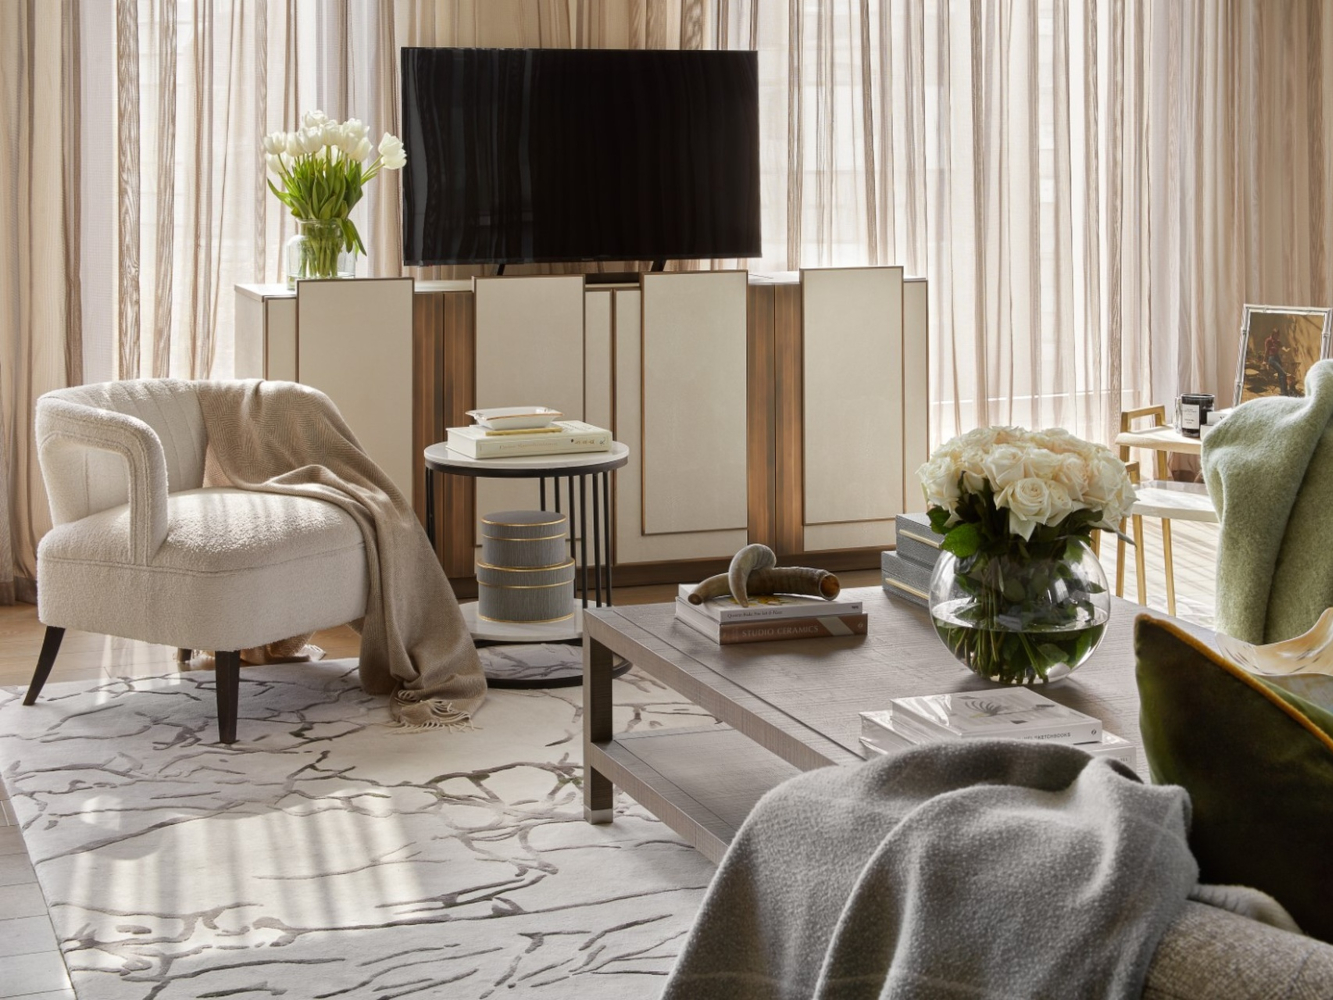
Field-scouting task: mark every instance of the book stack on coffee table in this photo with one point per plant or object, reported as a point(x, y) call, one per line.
point(1002, 713)
point(906, 571)
point(770, 618)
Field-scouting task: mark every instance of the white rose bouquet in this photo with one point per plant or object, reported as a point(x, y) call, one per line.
point(1016, 509)
point(323, 168)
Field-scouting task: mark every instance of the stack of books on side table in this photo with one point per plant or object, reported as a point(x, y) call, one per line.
point(906, 571)
point(561, 437)
point(767, 619)
point(1005, 713)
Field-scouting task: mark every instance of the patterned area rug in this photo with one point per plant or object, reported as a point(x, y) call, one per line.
point(326, 855)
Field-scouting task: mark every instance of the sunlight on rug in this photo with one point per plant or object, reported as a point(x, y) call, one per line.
point(326, 855)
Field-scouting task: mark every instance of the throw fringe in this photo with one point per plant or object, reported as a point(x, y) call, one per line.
point(414, 712)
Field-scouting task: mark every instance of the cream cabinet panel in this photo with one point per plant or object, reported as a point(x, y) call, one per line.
point(354, 343)
point(852, 321)
point(916, 391)
point(265, 333)
point(693, 439)
point(598, 406)
point(529, 351)
point(633, 543)
point(849, 535)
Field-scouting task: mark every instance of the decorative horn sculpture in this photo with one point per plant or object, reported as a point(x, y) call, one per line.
point(745, 562)
point(754, 572)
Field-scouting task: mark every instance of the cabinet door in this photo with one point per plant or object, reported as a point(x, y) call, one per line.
point(354, 343)
point(529, 352)
point(680, 405)
point(850, 441)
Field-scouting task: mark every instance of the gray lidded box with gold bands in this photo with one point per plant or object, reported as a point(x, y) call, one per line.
point(524, 538)
point(525, 573)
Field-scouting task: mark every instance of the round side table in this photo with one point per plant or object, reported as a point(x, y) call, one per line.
point(546, 654)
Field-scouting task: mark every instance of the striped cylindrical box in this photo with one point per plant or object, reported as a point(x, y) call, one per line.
point(525, 573)
point(524, 538)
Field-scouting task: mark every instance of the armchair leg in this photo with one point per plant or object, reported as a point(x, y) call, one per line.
point(183, 655)
point(228, 682)
point(45, 661)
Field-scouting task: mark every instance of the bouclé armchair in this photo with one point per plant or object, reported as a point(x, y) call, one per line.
point(143, 550)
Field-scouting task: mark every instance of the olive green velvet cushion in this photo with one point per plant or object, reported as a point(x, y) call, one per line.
point(1257, 762)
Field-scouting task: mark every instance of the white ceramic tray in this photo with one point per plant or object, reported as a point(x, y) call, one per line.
point(515, 418)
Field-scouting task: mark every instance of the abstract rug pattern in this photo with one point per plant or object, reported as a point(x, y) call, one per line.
point(326, 855)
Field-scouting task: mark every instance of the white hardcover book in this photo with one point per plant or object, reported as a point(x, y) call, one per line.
point(1111, 745)
point(725, 609)
point(886, 741)
point(886, 727)
point(575, 436)
point(771, 629)
point(1008, 713)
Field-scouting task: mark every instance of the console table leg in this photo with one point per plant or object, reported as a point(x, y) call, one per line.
point(598, 793)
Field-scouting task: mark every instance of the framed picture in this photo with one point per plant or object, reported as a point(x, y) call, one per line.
point(1278, 344)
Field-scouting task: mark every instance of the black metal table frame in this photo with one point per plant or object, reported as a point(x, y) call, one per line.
point(601, 511)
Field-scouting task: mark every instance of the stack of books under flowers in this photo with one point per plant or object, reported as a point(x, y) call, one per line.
point(770, 618)
point(906, 570)
point(1007, 713)
point(525, 431)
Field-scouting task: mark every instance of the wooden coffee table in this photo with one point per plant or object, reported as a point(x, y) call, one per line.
point(787, 706)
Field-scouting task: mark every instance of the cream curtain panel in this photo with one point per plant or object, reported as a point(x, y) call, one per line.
point(1093, 187)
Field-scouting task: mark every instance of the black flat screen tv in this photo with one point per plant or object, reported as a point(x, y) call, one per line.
point(530, 155)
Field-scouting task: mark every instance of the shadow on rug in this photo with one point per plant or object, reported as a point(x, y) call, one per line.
point(326, 855)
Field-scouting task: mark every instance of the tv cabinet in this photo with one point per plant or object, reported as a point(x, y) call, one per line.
point(786, 409)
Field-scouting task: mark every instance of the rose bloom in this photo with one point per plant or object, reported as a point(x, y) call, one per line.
point(1040, 463)
point(1029, 504)
point(1004, 466)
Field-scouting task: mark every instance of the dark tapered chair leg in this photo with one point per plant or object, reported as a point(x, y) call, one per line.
point(183, 655)
point(45, 661)
point(228, 682)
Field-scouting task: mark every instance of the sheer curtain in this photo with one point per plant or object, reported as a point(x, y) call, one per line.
point(1092, 187)
point(40, 321)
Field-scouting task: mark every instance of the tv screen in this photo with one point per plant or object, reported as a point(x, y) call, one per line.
point(527, 155)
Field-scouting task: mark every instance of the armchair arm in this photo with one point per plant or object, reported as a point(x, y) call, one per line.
point(77, 446)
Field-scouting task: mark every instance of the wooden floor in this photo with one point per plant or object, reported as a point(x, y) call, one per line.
point(29, 955)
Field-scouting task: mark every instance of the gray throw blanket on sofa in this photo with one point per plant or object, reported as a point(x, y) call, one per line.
point(958, 870)
point(276, 438)
point(1269, 469)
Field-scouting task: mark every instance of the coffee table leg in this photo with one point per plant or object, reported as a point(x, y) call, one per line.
point(598, 805)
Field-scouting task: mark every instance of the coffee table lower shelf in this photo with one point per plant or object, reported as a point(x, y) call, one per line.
point(700, 782)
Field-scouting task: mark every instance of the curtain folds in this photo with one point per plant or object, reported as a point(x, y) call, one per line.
point(1092, 187)
point(40, 313)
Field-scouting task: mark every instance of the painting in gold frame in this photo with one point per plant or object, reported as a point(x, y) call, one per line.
point(1278, 344)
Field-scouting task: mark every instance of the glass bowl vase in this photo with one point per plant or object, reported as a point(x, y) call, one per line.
point(1017, 619)
point(318, 250)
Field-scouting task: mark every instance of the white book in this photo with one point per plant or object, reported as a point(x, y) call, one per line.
point(725, 609)
point(1110, 745)
point(814, 626)
point(575, 436)
point(1006, 713)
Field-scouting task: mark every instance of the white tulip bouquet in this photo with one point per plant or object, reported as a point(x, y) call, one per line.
point(1016, 509)
point(323, 168)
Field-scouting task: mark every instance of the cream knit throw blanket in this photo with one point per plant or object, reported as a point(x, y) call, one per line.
point(414, 644)
point(1269, 469)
